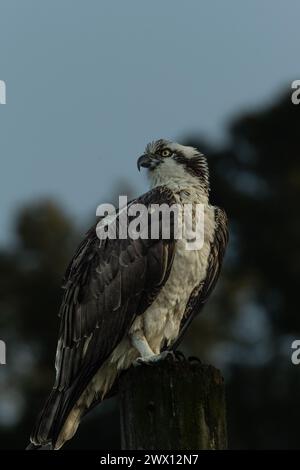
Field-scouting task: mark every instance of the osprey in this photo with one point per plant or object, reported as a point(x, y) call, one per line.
point(130, 300)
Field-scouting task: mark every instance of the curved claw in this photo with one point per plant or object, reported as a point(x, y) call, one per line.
point(165, 355)
point(194, 359)
point(140, 361)
point(179, 356)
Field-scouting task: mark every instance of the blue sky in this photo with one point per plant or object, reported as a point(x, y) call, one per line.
point(89, 83)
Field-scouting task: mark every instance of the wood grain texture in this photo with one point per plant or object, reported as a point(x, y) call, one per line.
point(173, 405)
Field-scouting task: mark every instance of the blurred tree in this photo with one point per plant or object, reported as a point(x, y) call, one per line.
point(247, 327)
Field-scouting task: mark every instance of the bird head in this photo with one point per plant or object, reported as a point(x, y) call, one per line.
point(172, 163)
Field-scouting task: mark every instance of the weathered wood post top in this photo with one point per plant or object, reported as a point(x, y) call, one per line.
point(173, 405)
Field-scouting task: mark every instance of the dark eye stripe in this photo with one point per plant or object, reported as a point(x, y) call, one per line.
point(196, 166)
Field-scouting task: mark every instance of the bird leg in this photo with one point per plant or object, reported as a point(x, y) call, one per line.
point(139, 341)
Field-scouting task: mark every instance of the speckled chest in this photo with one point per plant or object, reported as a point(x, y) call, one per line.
point(162, 319)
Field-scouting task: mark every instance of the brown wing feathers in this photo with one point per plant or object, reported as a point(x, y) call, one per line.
point(107, 284)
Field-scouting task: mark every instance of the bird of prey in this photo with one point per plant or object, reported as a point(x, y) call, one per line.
point(131, 299)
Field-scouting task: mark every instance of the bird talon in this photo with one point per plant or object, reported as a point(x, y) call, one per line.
point(194, 359)
point(179, 356)
point(143, 361)
point(165, 355)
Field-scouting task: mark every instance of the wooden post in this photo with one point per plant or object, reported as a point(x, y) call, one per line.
point(172, 405)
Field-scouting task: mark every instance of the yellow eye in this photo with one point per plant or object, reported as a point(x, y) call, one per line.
point(166, 153)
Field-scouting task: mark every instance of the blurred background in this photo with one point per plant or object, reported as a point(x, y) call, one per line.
point(88, 85)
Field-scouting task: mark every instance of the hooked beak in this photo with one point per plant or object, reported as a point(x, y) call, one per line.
point(148, 161)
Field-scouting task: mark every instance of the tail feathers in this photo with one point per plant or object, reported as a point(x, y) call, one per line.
point(44, 430)
point(44, 447)
point(58, 420)
point(63, 410)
